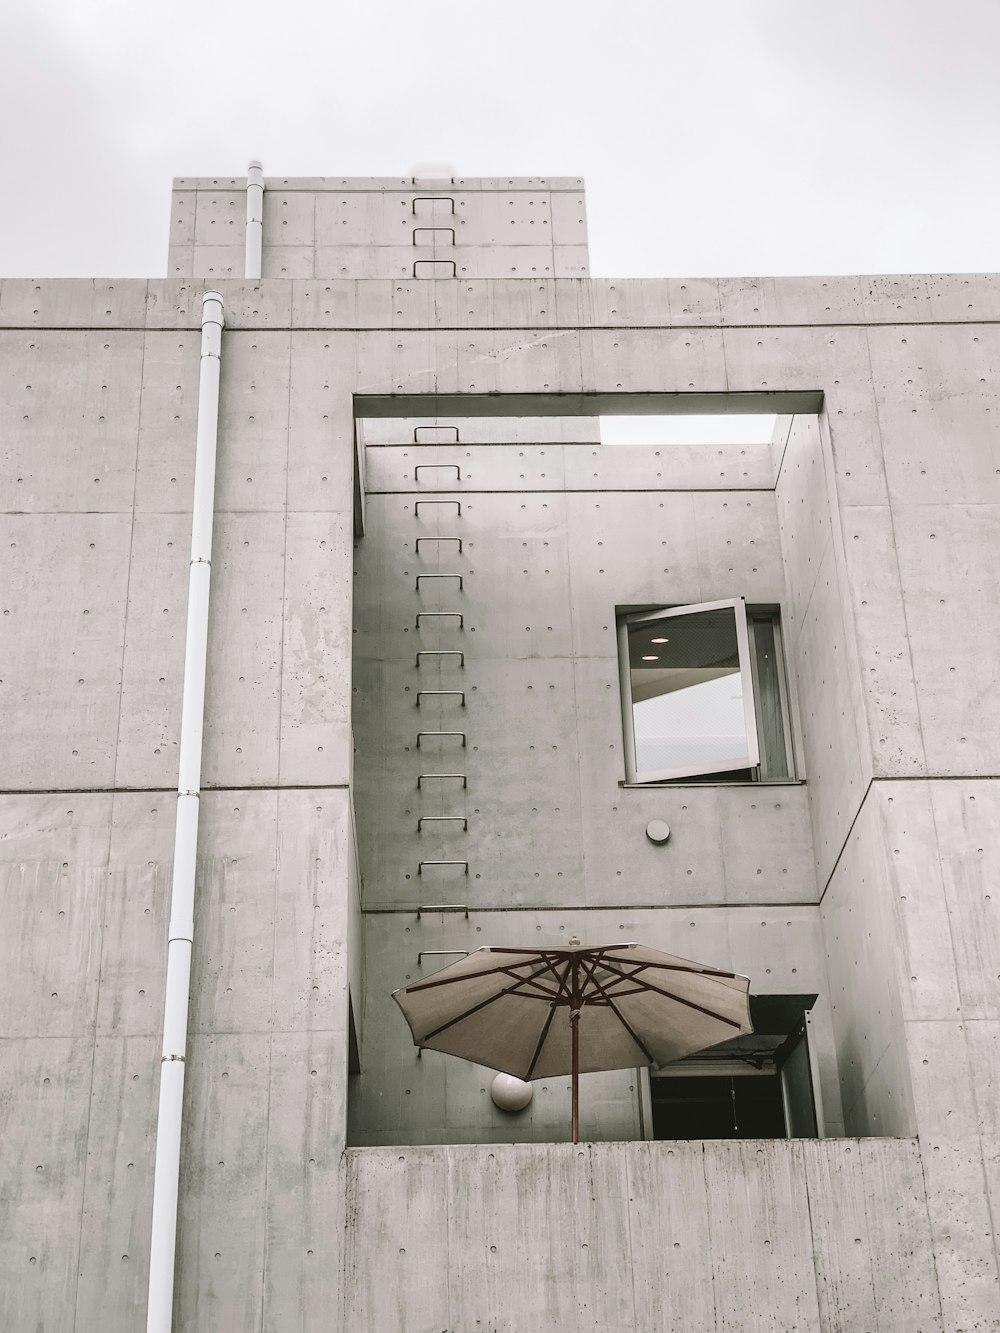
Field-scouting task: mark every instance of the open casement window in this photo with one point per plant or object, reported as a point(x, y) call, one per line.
point(702, 694)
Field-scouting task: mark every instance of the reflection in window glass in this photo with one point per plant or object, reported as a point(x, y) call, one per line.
point(687, 694)
point(796, 1079)
point(770, 719)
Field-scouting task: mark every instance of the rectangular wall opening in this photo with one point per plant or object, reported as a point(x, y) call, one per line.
point(463, 541)
point(690, 428)
point(759, 1087)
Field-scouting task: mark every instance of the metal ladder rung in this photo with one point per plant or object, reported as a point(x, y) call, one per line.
point(433, 241)
point(441, 652)
point(456, 503)
point(461, 581)
point(448, 263)
point(417, 469)
point(439, 539)
point(442, 777)
point(443, 819)
point(432, 199)
point(444, 907)
point(421, 864)
point(439, 735)
point(418, 429)
point(437, 953)
point(438, 615)
point(439, 693)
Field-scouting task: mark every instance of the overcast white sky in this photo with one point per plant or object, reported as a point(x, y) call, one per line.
point(716, 136)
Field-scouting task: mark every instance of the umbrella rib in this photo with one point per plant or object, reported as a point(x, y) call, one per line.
point(603, 987)
point(614, 964)
point(476, 976)
point(639, 965)
point(590, 966)
point(467, 1013)
point(552, 1013)
point(559, 953)
point(541, 1042)
point(548, 1021)
point(618, 985)
point(690, 1004)
point(536, 980)
point(631, 1031)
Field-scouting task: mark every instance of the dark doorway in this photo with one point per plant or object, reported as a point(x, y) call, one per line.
point(755, 1087)
point(741, 1106)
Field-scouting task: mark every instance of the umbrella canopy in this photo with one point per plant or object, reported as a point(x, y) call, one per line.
point(538, 1013)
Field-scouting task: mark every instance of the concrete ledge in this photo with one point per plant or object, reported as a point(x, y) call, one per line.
point(500, 303)
point(830, 1234)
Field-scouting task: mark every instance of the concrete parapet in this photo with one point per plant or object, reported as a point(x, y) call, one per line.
point(701, 1236)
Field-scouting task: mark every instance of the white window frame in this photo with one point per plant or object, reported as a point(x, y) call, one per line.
point(784, 699)
point(748, 685)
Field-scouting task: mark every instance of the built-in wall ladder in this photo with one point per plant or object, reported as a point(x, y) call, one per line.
point(444, 697)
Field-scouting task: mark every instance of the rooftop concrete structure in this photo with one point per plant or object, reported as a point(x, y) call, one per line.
point(332, 1177)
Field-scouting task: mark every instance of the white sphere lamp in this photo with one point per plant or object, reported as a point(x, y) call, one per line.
point(510, 1093)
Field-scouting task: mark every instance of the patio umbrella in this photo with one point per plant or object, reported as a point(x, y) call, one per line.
point(538, 1013)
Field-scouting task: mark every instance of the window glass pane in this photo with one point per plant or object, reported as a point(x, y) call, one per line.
point(799, 1106)
point(770, 721)
point(687, 693)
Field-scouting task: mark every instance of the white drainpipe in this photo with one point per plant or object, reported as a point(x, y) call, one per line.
point(181, 933)
point(255, 219)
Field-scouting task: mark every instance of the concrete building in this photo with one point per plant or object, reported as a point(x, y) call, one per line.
point(427, 361)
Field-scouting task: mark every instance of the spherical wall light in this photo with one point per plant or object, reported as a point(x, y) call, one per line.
point(510, 1093)
point(658, 831)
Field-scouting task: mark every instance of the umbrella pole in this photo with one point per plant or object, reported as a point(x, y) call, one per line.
point(574, 1023)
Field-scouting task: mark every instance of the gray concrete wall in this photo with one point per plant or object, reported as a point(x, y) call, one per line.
point(85, 889)
point(930, 511)
point(543, 572)
point(896, 588)
point(97, 541)
point(700, 1236)
point(893, 901)
point(465, 227)
point(911, 932)
point(97, 529)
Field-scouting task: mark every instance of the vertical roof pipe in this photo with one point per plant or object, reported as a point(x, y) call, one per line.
point(180, 936)
point(255, 220)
